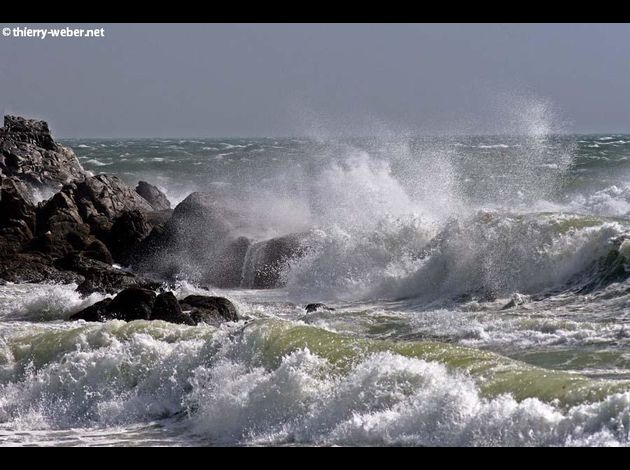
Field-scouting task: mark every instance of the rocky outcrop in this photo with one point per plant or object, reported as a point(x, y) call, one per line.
point(28, 152)
point(93, 221)
point(17, 216)
point(143, 304)
point(77, 234)
point(156, 198)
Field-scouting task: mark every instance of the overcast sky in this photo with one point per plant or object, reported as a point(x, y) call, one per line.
point(297, 79)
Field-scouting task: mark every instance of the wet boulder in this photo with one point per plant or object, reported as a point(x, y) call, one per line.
point(134, 303)
point(167, 308)
point(201, 242)
point(318, 307)
point(209, 310)
point(267, 259)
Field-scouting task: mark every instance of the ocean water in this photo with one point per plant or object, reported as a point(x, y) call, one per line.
point(480, 284)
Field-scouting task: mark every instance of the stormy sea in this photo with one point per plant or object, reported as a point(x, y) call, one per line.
point(476, 292)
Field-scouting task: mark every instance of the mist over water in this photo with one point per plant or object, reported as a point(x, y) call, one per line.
point(480, 286)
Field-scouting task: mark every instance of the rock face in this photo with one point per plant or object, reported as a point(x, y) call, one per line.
point(126, 234)
point(156, 198)
point(28, 152)
point(17, 215)
point(142, 304)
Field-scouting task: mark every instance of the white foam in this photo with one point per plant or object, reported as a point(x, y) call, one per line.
point(117, 375)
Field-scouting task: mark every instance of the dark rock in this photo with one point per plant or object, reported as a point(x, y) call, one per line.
point(199, 242)
point(310, 308)
point(28, 152)
point(167, 308)
point(98, 276)
point(107, 196)
point(210, 310)
point(29, 267)
point(131, 304)
point(226, 270)
point(99, 312)
point(16, 202)
point(156, 198)
point(134, 303)
point(60, 227)
point(203, 243)
point(14, 236)
point(17, 216)
point(84, 211)
point(128, 230)
point(266, 260)
point(99, 252)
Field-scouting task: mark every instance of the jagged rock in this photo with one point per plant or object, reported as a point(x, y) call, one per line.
point(17, 216)
point(98, 276)
point(28, 152)
point(14, 236)
point(29, 268)
point(310, 308)
point(127, 231)
point(156, 198)
point(209, 310)
point(203, 243)
point(16, 202)
point(60, 227)
point(108, 196)
point(167, 308)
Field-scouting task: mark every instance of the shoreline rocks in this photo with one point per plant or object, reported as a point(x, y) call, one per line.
point(90, 222)
point(137, 303)
point(82, 229)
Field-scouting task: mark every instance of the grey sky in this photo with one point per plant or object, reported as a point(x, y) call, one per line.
point(274, 80)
